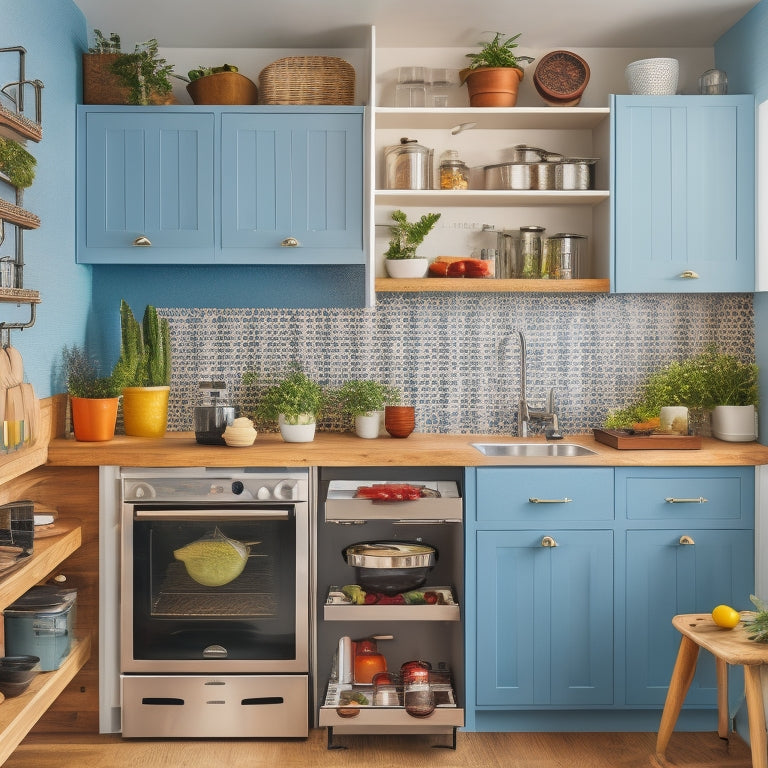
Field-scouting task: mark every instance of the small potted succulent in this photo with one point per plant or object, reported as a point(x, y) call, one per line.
point(294, 401)
point(494, 75)
point(93, 398)
point(400, 257)
point(364, 400)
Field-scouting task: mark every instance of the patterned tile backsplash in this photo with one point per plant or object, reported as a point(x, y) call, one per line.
point(456, 356)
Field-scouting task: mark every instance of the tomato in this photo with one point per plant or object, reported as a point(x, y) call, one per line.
point(457, 269)
point(477, 268)
point(725, 616)
point(438, 268)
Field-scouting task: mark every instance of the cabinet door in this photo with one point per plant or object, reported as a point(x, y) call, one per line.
point(544, 618)
point(679, 571)
point(292, 177)
point(145, 175)
point(683, 193)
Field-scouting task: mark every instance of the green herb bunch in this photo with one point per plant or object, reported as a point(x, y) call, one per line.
point(81, 372)
point(407, 236)
point(363, 396)
point(757, 626)
point(297, 397)
point(496, 53)
point(144, 72)
point(103, 44)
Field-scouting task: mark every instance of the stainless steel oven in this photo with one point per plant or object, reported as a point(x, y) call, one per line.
point(214, 602)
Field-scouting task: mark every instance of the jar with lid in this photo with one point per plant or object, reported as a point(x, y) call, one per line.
point(454, 173)
point(368, 661)
point(531, 238)
point(408, 165)
point(418, 696)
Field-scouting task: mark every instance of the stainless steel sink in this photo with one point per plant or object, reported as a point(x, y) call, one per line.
point(535, 450)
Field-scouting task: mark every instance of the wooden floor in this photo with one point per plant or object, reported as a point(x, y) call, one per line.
point(475, 750)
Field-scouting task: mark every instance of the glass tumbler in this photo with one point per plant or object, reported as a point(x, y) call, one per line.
point(411, 88)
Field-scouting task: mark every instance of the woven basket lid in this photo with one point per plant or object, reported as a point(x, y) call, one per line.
point(561, 75)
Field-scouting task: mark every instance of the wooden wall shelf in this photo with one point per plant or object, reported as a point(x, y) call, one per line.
point(489, 285)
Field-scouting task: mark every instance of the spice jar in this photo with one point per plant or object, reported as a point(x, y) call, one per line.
point(418, 696)
point(454, 173)
point(530, 251)
point(368, 662)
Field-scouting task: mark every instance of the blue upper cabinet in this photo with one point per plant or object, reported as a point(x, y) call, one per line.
point(145, 187)
point(683, 215)
point(292, 188)
point(226, 185)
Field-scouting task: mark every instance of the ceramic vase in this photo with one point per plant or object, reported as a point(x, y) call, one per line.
point(303, 432)
point(734, 423)
point(145, 411)
point(367, 424)
point(399, 420)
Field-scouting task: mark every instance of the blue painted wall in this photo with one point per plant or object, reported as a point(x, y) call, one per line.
point(54, 35)
point(743, 54)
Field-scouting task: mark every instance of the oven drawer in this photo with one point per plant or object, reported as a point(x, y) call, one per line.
point(235, 706)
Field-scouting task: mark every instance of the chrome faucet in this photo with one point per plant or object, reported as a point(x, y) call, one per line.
point(529, 417)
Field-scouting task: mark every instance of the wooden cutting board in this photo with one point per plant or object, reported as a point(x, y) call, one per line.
point(624, 441)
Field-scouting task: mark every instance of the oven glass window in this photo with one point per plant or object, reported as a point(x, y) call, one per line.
point(253, 616)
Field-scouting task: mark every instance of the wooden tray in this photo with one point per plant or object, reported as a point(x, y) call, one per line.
point(623, 441)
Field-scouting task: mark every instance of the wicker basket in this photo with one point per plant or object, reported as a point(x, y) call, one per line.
point(100, 84)
point(307, 80)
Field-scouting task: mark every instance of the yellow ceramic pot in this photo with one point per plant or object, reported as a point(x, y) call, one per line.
point(145, 411)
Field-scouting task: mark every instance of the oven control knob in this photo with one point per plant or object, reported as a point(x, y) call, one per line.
point(263, 493)
point(237, 487)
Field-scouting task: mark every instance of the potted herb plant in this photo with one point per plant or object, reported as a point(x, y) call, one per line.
point(364, 400)
point(221, 85)
point(16, 163)
point(144, 371)
point(494, 75)
point(93, 398)
point(294, 401)
point(407, 236)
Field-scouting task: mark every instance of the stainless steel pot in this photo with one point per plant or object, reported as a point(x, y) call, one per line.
point(575, 173)
point(540, 175)
point(391, 567)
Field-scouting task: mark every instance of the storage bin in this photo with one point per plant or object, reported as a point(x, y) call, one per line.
point(41, 623)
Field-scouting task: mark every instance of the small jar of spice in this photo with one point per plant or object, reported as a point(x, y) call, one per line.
point(454, 173)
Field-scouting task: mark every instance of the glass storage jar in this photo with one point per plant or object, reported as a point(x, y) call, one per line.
point(408, 165)
point(454, 173)
point(531, 238)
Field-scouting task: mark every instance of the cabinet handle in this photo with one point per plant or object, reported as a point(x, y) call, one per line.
point(534, 500)
point(548, 541)
point(142, 241)
point(689, 274)
point(290, 242)
point(673, 500)
point(686, 540)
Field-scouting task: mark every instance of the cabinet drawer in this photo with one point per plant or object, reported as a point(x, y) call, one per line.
point(700, 493)
point(543, 494)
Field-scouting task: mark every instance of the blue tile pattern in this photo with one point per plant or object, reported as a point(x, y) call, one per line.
point(455, 356)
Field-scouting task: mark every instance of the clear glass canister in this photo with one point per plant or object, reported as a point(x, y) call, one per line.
point(565, 255)
point(531, 240)
point(454, 173)
point(408, 165)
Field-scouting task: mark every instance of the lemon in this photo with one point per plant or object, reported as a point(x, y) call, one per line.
point(725, 616)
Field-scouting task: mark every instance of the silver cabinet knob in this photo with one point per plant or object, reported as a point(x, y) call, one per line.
point(142, 241)
point(290, 242)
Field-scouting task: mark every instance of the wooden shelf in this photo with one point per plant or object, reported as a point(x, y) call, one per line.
point(20, 713)
point(19, 296)
point(13, 214)
point(18, 127)
point(489, 285)
point(491, 197)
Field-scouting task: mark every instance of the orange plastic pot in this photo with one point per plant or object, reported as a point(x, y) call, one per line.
point(93, 419)
point(145, 411)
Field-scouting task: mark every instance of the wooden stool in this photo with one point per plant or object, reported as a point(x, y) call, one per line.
point(728, 646)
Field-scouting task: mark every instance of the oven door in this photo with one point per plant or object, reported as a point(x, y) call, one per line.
point(257, 622)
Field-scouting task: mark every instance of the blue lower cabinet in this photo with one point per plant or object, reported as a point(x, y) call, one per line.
point(671, 572)
point(544, 617)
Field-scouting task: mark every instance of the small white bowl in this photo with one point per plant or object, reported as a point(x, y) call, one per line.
point(653, 77)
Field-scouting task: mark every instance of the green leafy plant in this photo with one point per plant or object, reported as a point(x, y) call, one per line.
point(144, 72)
point(196, 74)
point(757, 625)
point(145, 349)
point(407, 236)
point(700, 383)
point(81, 373)
point(297, 397)
point(497, 53)
point(364, 395)
point(16, 163)
point(104, 44)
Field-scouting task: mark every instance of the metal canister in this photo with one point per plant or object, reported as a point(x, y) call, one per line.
point(408, 165)
point(575, 173)
point(566, 253)
point(531, 238)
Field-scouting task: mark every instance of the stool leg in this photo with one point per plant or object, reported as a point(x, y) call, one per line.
point(723, 718)
point(682, 676)
point(756, 716)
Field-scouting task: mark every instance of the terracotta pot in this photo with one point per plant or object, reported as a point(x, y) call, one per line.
point(223, 88)
point(399, 420)
point(93, 419)
point(493, 86)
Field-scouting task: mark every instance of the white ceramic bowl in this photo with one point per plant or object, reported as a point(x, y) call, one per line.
point(653, 77)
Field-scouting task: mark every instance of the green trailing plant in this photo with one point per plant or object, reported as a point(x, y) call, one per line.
point(145, 349)
point(16, 163)
point(364, 395)
point(699, 383)
point(297, 397)
point(757, 625)
point(81, 373)
point(104, 44)
point(144, 72)
point(497, 53)
point(407, 236)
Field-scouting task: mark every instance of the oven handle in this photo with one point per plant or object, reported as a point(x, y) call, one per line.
point(218, 514)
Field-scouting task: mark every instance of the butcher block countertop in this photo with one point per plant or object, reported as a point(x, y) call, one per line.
point(179, 449)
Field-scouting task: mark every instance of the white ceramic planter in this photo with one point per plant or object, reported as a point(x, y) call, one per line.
point(303, 432)
point(405, 268)
point(734, 423)
point(367, 424)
